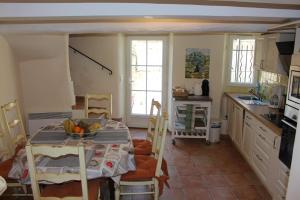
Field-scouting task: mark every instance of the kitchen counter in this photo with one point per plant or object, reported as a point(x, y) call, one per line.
point(256, 111)
point(193, 98)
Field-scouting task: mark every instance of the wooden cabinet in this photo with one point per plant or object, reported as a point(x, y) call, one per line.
point(248, 135)
point(238, 125)
point(260, 147)
point(267, 55)
point(235, 114)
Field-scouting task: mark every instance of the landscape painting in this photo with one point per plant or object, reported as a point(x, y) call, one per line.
point(197, 63)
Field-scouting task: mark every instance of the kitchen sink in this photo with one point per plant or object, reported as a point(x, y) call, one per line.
point(255, 102)
point(248, 97)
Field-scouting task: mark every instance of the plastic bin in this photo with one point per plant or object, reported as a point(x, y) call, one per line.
point(214, 134)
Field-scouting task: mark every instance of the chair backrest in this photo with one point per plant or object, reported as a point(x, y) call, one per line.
point(55, 151)
point(153, 122)
point(160, 143)
point(106, 105)
point(14, 124)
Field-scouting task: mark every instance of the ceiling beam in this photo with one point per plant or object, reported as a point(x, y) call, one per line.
point(293, 5)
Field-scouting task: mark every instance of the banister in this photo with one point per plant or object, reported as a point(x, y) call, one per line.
point(95, 61)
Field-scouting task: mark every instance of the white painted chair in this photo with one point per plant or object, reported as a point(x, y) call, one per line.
point(146, 147)
point(14, 125)
point(66, 191)
point(106, 105)
point(129, 179)
point(14, 140)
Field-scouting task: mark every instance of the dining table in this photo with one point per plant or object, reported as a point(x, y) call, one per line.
point(108, 152)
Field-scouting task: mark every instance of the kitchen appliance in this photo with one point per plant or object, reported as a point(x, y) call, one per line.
point(289, 123)
point(287, 141)
point(274, 118)
point(293, 94)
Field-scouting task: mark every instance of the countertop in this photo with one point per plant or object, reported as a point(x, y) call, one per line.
point(256, 111)
point(193, 98)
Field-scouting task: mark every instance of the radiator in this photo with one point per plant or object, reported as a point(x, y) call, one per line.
point(39, 120)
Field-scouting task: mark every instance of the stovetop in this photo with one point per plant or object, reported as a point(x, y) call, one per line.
point(274, 118)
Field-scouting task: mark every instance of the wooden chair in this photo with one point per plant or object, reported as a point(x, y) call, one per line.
point(15, 140)
point(147, 146)
point(148, 168)
point(14, 125)
point(105, 109)
point(78, 189)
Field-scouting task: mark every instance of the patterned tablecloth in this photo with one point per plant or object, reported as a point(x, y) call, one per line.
point(103, 160)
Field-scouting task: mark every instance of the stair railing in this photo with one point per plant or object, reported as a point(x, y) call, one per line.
point(95, 61)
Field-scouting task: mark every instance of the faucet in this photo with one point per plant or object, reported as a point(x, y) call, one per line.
point(257, 94)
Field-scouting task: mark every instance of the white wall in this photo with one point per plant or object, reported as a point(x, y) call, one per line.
point(44, 72)
point(216, 45)
point(9, 80)
point(87, 76)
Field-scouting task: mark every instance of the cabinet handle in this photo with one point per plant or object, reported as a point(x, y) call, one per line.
point(274, 143)
point(259, 158)
point(287, 173)
point(264, 130)
point(249, 117)
point(262, 137)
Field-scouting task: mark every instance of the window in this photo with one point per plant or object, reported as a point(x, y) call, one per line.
point(146, 64)
point(241, 61)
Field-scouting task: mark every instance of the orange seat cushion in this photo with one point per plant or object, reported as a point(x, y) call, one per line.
point(5, 167)
point(142, 147)
point(145, 169)
point(71, 189)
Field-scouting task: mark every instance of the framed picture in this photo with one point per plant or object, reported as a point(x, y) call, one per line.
point(197, 63)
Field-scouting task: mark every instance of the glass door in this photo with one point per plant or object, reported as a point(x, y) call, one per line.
point(146, 66)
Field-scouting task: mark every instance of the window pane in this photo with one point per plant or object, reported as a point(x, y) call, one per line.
point(152, 95)
point(242, 60)
point(154, 78)
point(138, 102)
point(154, 50)
point(138, 77)
point(138, 52)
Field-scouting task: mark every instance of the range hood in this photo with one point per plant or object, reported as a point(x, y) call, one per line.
point(285, 50)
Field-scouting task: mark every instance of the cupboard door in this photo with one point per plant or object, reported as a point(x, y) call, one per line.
point(248, 141)
point(230, 114)
point(239, 114)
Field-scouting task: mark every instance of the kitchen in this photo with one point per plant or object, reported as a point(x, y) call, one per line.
point(259, 147)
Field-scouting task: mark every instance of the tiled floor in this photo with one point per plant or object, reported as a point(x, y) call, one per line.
point(207, 172)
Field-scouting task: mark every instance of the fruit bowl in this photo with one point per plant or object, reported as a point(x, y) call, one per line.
point(81, 128)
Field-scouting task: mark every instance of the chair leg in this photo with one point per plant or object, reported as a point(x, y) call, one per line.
point(117, 192)
point(24, 188)
point(156, 190)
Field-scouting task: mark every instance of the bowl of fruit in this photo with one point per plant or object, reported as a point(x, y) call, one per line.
point(81, 128)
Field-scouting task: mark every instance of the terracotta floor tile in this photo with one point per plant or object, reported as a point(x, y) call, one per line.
point(247, 193)
point(222, 193)
point(175, 182)
point(172, 194)
point(263, 192)
point(192, 182)
point(237, 180)
point(214, 180)
point(188, 170)
point(197, 194)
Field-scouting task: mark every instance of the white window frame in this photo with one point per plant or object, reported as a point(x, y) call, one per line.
point(229, 50)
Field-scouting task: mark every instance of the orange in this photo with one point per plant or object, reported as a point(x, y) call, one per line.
point(76, 129)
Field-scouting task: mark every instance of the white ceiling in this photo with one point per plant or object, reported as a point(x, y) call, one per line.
point(139, 17)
